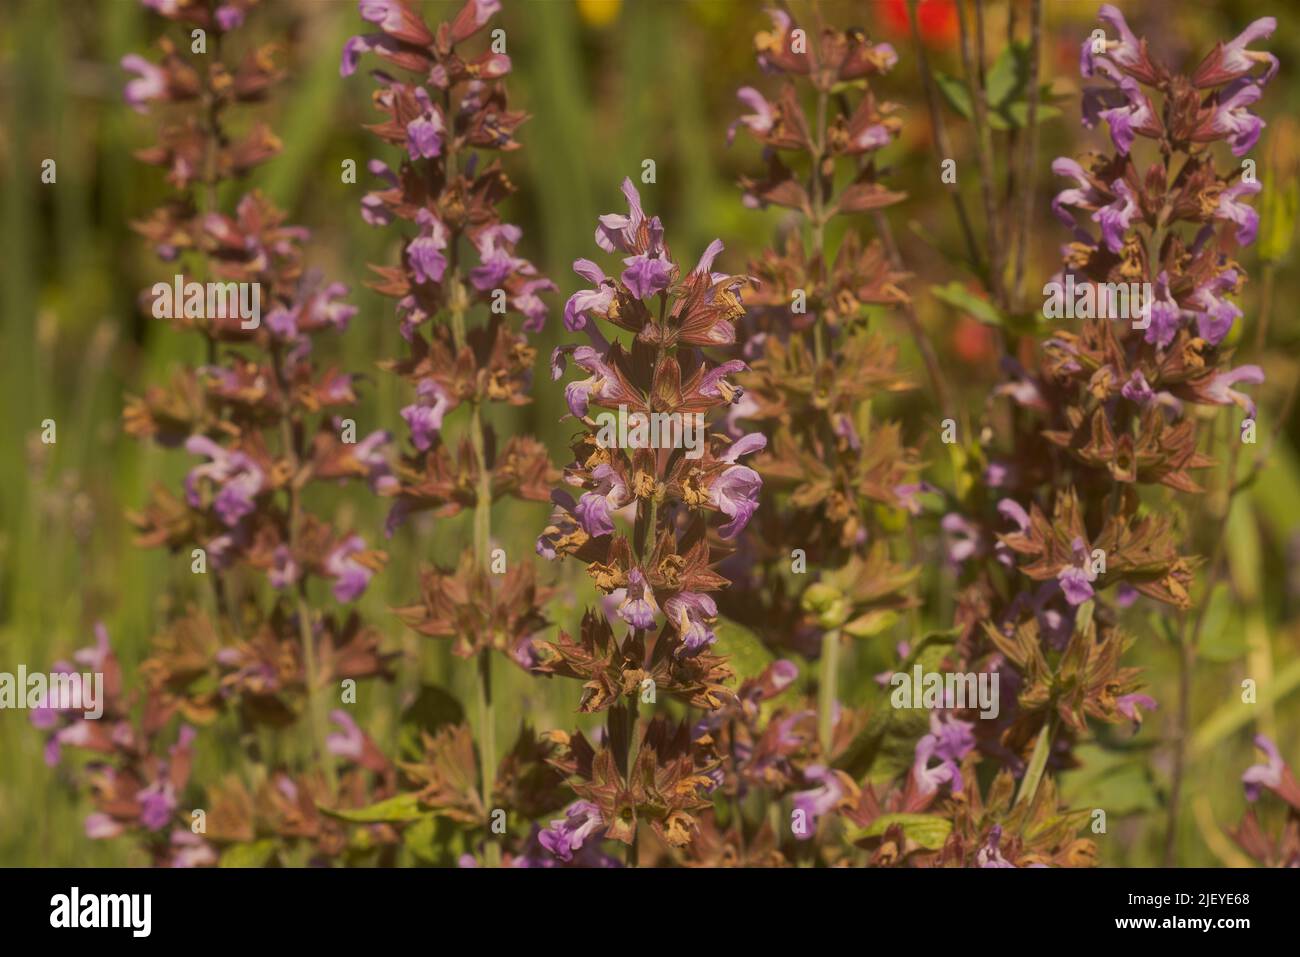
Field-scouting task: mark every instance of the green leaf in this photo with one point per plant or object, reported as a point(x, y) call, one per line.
point(1223, 637)
point(745, 651)
point(256, 854)
point(928, 830)
point(1009, 75)
point(886, 746)
point(403, 807)
point(871, 623)
point(1017, 113)
point(1119, 782)
point(1235, 714)
point(955, 92)
point(421, 839)
point(1277, 216)
point(959, 297)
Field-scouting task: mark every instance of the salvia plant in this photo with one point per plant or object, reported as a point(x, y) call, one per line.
point(261, 422)
point(749, 508)
point(1075, 502)
point(458, 263)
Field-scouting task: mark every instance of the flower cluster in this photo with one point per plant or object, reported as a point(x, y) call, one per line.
point(1276, 777)
point(1065, 517)
point(816, 364)
point(842, 478)
point(264, 422)
point(654, 512)
point(459, 259)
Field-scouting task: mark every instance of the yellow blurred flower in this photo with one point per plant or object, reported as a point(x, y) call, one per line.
point(599, 13)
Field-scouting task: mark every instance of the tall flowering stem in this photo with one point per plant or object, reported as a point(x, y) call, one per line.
point(458, 260)
point(1105, 418)
point(264, 422)
point(647, 455)
point(817, 366)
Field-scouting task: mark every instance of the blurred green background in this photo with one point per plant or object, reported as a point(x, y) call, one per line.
point(609, 83)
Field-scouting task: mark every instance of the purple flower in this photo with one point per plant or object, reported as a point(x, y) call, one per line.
point(379, 474)
point(1215, 314)
point(157, 805)
point(1075, 583)
point(758, 122)
point(586, 301)
point(735, 491)
point(190, 850)
point(1124, 107)
point(568, 834)
point(594, 509)
point(350, 576)
point(818, 801)
point(648, 274)
point(100, 826)
point(638, 607)
point(1244, 216)
point(1236, 59)
point(284, 570)
point(495, 246)
point(1233, 121)
point(600, 384)
point(229, 17)
point(238, 476)
point(710, 386)
point(1127, 51)
point(1137, 390)
point(592, 512)
point(349, 743)
point(1163, 316)
point(425, 251)
point(151, 84)
point(949, 741)
point(424, 417)
point(989, 855)
point(323, 310)
point(1117, 217)
point(1013, 510)
point(963, 537)
point(1084, 194)
point(530, 305)
point(618, 232)
point(954, 738)
point(353, 47)
point(424, 133)
point(907, 493)
point(1128, 706)
point(928, 779)
point(1220, 390)
point(690, 613)
point(1263, 775)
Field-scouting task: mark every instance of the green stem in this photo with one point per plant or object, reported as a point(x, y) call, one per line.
point(290, 448)
point(827, 677)
point(1038, 760)
point(487, 746)
point(483, 498)
point(633, 849)
point(315, 701)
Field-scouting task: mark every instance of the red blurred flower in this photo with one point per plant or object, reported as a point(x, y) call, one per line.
point(937, 20)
